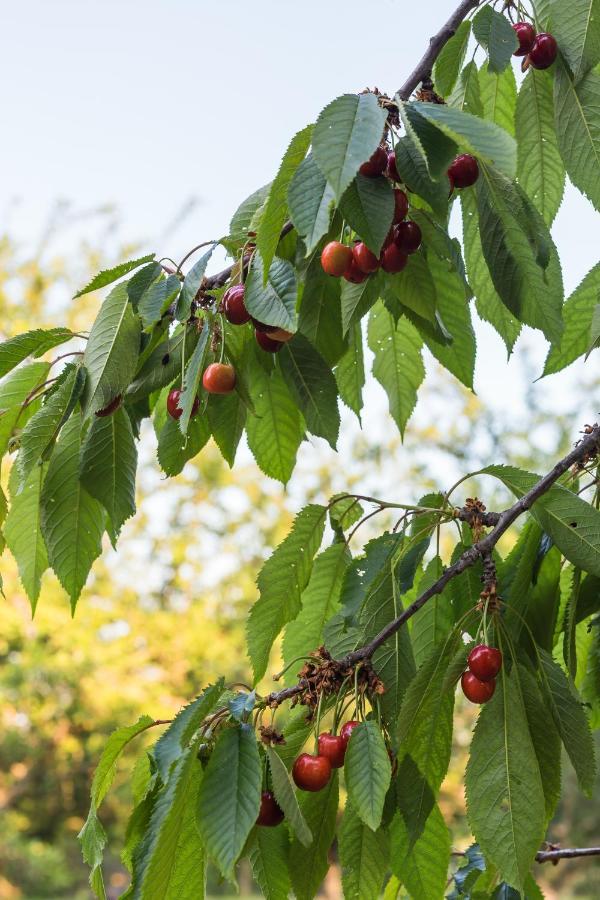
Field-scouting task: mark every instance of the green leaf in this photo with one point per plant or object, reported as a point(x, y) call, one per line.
point(496, 35)
point(141, 281)
point(576, 28)
point(312, 386)
point(175, 448)
point(540, 168)
point(422, 867)
point(107, 276)
point(192, 378)
point(415, 287)
point(481, 138)
point(286, 798)
point(92, 838)
point(437, 149)
point(578, 129)
point(545, 737)
point(281, 582)
point(347, 133)
point(240, 222)
point(275, 212)
point(344, 512)
point(357, 299)
point(269, 861)
point(505, 796)
point(227, 417)
point(111, 352)
point(108, 466)
point(594, 341)
point(274, 302)
point(72, 521)
point(350, 371)
point(23, 533)
point(30, 343)
point(413, 171)
point(363, 857)
point(157, 298)
point(169, 746)
point(368, 572)
point(107, 766)
point(309, 865)
point(431, 624)
point(453, 307)
point(14, 390)
point(449, 62)
point(368, 208)
point(398, 365)
point(499, 97)
point(228, 807)
point(578, 313)
point(310, 200)
point(164, 364)
point(368, 773)
point(466, 95)
point(191, 283)
point(320, 317)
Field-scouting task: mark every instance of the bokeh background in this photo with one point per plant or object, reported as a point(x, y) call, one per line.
point(134, 125)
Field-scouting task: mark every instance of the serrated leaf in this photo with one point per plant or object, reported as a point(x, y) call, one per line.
point(310, 200)
point(309, 865)
point(454, 309)
point(363, 857)
point(23, 533)
point(346, 134)
point(192, 378)
point(545, 738)
point(175, 448)
point(92, 838)
point(227, 808)
point(14, 390)
point(413, 171)
point(436, 148)
point(344, 511)
point(499, 97)
point(164, 364)
point(286, 798)
point(227, 417)
point(421, 867)
point(281, 582)
point(578, 314)
point(313, 387)
point(30, 343)
point(274, 302)
point(108, 466)
point(241, 219)
point(449, 62)
point(357, 299)
point(111, 352)
point(466, 95)
point(169, 746)
point(350, 371)
point(368, 207)
point(576, 27)
point(431, 624)
point(191, 283)
point(141, 281)
point(578, 129)
point(368, 772)
point(269, 860)
point(496, 35)
point(106, 768)
point(415, 287)
point(107, 276)
point(320, 316)
point(157, 298)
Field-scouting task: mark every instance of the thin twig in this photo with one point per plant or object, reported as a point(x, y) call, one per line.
point(568, 853)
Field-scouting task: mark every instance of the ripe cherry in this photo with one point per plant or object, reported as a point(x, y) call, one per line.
point(311, 773)
point(393, 259)
point(270, 814)
point(544, 51)
point(219, 378)
point(333, 747)
point(354, 274)
point(376, 164)
point(267, 343)
point(408, 237)
point(526, 35)
point(400, 205)
point(347, 729)
point(173, 404)
point(485, 662)
point(464, 171)
point(391, 169)
point(234, 307)
point(110, 408)
point(366, 261)
point(335, 258)
point(475, 690)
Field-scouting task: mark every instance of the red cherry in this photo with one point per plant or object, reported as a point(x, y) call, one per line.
point(393, 259)
point(234, 307)
point(173, 404)
point(464, 171)
point(366, 261)
point(335, 258)
point(333, 747)
point(485, 662)
point(400, 205)
point(270, 813)
point(375, 165)
point(347, 729)
point(391, 169)
point(354, 274)
point(110, 408)
point(475, 690)
point(408, 237)
point(544, 51)
point(311, 773)
point(266, 343)
point(219, 378)
point(526, 34)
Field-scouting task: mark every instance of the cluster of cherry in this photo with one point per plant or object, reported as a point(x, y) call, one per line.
point(478, 682)
point(540, 50)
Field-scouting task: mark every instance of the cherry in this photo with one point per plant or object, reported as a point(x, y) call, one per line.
point(393, 259)
point(335, 258)
point(408, 237)
point(366, 261)
point(400, 205)
point(475, 690)
point(347, 729)
point(485, 662)
point(354, 274)
point(234, 307)
point(270, 813)
point(110, 408)
point(391, 169)
point(375, 165)
point(311, 773)
point(173, 404)
point(333, 747)
point(526, 34)
point(544, 51)
point(464, 171)
point(266, 343)
point(219, 378)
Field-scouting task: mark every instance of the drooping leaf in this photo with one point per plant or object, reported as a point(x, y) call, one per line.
point(363, 857)
point(368, 772)
point(269, 860)
point(368, 208)
point(320, 317)
point(312, 385)
point(495, 34)
point(286, 798)
point(466, 95)
point(169, 746)
point(175, 448)
point(350, 371)
point(578, 129)
point(107, 765)
point(274, 301)
point(309, 865)
point(545, 738)
point(92, 838)
point(449, 62)
point(14, 391)
point(421, 867)
point(499, 97)
point(108, 465)
point(310, 199)
point(431, 624)
point(415, 288)
point(413, 171)
point(157, 298)
point(192, 378)
point(109, 275)
point(452, 305)
point(227, 417)
point(578, 313)
point(576, 27)
point(30, 343)
point(435, 148)
point(164, 364)
point(357, 299)
point(23, 533)
point(242, 218)
point(191, 283)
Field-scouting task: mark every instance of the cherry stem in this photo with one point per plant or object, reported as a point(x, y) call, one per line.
point(293, 663)
point(317, 723)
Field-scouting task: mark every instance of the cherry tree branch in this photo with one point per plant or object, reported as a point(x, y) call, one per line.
point(555, 855)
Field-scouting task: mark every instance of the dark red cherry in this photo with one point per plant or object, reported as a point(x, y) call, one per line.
point(270, 814)
point(485, 662)
point(544, 51)
point(354, 274)
point(376, 164)
point(408, 237)
point(110, 408)
point(347, 729)
point(393, 259)
point(173, 404)
point(335, 258)
point(219, 378)
point(366, 261)
point(391, 169)
point(234, 307)
point(311, 773)
point(464, 171)
point(526, 35)
point(266, 343)
point(400, 205)
point(475, 690)
point(333, 747)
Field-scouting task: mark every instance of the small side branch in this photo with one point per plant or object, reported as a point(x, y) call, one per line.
point(555, 855)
